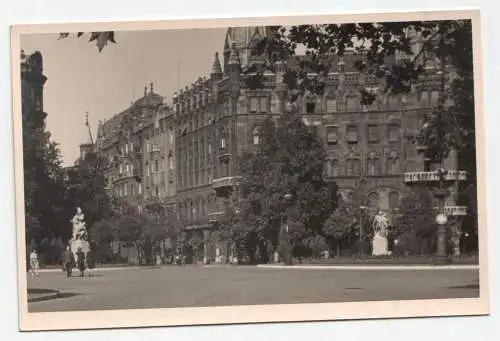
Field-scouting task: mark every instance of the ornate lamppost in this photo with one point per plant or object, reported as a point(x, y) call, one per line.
point(288, 248)
point(362, 221)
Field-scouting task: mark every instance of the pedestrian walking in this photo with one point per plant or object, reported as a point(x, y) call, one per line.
point(90, 260)
point(34, 264)
point(68, 261)
point(81, 261)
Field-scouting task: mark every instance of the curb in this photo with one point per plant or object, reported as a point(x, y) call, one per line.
point(372, 267)
point(95, 269)
point(46, 297)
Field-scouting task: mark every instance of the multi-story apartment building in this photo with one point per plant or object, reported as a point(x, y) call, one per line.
point(186, 153)
point(130, 142)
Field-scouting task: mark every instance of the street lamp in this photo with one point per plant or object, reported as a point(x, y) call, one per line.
point(361, 231)
point(288, 249)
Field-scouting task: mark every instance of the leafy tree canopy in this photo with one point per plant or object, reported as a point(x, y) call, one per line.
point(289, 160)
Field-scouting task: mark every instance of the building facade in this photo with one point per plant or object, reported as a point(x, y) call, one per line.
point(185, 153)
point(33, 118)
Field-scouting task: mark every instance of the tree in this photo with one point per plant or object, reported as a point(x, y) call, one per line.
point(130, 230)
point(416, 220)
point(85, 184)
point(290, 160)
point(43, 177)
point(339, 226)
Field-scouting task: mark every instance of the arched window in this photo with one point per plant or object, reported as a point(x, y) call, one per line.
point(331, 105)
point(171, 135)
point(170, 162)
point(256, 136)
point(194, 210)
point(349, 167)
point(393, 200)
point(373, 200)
point(352, 102)
point(334, 165)
point(425, 98)
point(356, 167)
point(310, 103)
point(393, 163)
point(372, 164)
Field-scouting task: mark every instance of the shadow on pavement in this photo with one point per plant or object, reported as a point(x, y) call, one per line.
point(38, 295)
point(467, 286)
point(37, 291)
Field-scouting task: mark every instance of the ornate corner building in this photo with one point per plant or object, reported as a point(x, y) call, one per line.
point(33, 118)
point(184, 153)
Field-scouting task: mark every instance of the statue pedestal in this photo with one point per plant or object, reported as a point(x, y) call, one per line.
point(78, 243)
point(379, 245)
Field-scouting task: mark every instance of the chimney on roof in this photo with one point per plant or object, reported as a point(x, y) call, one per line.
point(151, 85)
point(145, 91)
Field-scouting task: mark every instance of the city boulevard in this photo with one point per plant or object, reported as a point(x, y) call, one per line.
point(197, 286)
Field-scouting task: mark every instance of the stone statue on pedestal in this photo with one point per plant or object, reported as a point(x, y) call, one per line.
point(380, 227)
point(79, 239)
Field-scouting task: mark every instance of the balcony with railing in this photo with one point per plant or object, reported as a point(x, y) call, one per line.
point(455, 210)
point(228, 181)
point(216, 216)
point(433, 176)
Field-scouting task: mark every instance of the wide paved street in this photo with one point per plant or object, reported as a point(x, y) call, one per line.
point(167, 287)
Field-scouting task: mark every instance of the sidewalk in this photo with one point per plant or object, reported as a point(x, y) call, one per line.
point(373, 267)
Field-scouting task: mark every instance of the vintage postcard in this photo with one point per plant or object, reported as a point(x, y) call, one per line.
point(249, 170)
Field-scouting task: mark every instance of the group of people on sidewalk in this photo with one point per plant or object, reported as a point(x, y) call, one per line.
point(82, 262)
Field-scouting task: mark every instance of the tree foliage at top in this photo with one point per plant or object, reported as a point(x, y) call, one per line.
point(289, 160)
point(446, 42)
point(101, 38)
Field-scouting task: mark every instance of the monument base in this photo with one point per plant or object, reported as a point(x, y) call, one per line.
point(76, 244)
point(380, 245)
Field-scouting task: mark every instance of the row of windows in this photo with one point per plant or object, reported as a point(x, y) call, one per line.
point(375, 133)
point(373, 199)
point(192, 177)
point(353, 103)
point(194, 102)
point(124, 189)
point(259, 104)
point(126, 169)
point(374, 166)
point(158, 165)
point(131, 189)
point(198, 209)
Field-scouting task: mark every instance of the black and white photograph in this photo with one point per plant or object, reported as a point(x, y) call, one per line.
point(249, 170)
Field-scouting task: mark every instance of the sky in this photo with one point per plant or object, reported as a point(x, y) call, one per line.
point(80, 79)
